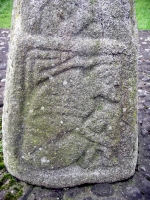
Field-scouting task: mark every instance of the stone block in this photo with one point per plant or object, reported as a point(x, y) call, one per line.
point(70, 108)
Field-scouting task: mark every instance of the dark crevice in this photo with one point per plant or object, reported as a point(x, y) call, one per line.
point(103, 129)
point(126, 122)
point(28, 192)
point(58, 64)
point(105, 98)
point(84, 27)
point(102, 23)
point(50, 58)
point(54, 49)
point(42, 81)
point(85, 118)
point(66, 69)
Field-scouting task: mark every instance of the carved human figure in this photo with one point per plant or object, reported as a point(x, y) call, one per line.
point(75, 105)
point(73, 108)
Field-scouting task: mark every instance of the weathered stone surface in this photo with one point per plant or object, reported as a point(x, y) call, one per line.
point(102, 190)
point(70, 113)
point(132, 193)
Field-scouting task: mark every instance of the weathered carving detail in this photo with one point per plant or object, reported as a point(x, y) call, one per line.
point(72, 83)
point(63, 111)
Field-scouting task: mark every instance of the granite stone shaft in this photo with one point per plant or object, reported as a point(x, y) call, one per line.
point(70, 104)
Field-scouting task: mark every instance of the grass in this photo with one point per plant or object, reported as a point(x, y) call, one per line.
point(5, 13)
point(143, 14)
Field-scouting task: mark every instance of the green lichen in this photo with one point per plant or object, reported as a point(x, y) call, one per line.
point(97, 46)
point(100, 107)
point(117, 140)
point(93, 1)
point(115, 160)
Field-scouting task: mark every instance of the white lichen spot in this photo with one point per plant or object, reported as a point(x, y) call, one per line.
point(31, 111)
point(130, 89)
point(42, 108)
point(44, 160)
point(50, 77)
point(110, 128)
point(40, 149)
point(61, 122)
point(124, 109)
point(77, 129)
point(65, 82)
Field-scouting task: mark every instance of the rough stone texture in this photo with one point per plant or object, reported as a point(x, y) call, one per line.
point(102, 190)
point(123, 190)
point(70, 113)
point(3, 58)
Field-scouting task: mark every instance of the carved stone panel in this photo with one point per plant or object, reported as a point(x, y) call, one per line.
point(70, 113)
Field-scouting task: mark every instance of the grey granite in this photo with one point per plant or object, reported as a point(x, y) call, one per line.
point(70, 108)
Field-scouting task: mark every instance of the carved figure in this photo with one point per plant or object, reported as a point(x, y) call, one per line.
point(71, 89)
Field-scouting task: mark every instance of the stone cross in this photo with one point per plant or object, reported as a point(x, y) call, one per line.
point(70, 109)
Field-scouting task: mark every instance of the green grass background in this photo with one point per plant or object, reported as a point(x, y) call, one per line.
point(5, 13)
point(142, 13)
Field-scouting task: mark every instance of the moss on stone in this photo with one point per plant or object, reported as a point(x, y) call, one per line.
point(100, 107)
point(115, 160)
point(13, 189)
point(93, 1)
point(10, 196)
point(116, 141)
point(6, 181)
